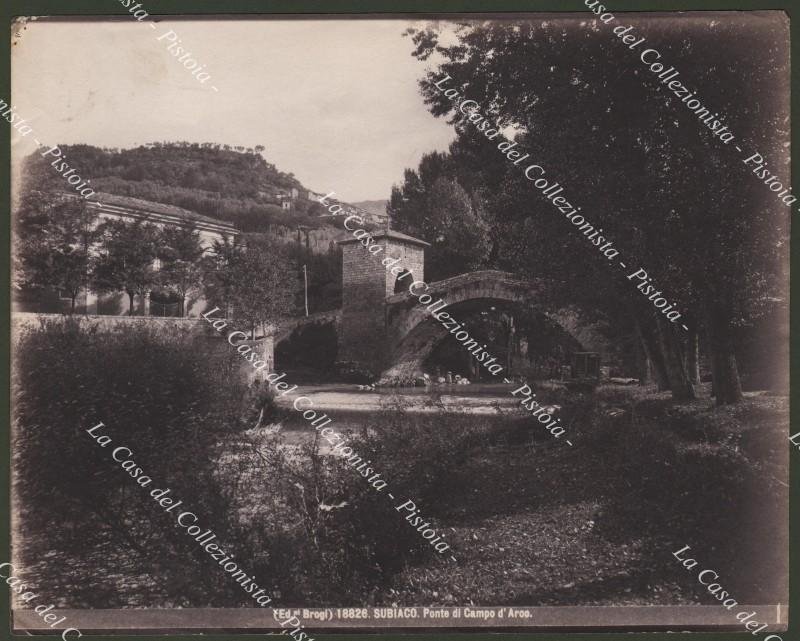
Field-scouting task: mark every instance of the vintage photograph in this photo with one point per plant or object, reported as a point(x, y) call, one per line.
point(370, 322)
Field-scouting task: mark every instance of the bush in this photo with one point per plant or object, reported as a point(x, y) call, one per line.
point(420, 456)
point(692, 474)
point(258, 405)
point(342, 540)
point(286, 503)
point(170, 399)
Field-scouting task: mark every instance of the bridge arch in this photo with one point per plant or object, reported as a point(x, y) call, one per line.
point(307, 344)
point(414, 332)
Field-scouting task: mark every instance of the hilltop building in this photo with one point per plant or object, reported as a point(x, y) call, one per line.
point(378, 220)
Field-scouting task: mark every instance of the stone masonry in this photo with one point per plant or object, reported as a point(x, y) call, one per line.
point(366, 284)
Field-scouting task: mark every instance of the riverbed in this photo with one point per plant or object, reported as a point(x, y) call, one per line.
point(475, 399)
point(350, 407)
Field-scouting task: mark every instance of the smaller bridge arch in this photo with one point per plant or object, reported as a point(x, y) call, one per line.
point(285, 328)
point(309, 343)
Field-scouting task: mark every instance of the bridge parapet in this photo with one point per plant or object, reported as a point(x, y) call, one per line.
point(489, 278)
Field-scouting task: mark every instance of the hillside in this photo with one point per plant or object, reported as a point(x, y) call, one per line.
point(236, 185)
point(375, 207)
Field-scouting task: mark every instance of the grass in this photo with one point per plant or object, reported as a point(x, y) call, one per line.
point(536, 522)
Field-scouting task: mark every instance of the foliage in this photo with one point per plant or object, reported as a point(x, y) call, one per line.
point(256, 282)
point(692, 468)
point(170, 399)
point(52, 243)
point(126, 260)
point(433, 206)
point(258, 405)
point(60, 243)
point(343, 540)
point(620, 148)
point(180, 253)
point(324, 276)
point(232, 184)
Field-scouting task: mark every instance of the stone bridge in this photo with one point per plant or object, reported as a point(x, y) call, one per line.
point(385, 328)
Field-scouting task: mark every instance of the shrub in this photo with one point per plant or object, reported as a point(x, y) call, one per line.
point(421, 456)
point(170, 399)
point(258, 405)
point(692, 474)
point(286, 504)
point(343, 540)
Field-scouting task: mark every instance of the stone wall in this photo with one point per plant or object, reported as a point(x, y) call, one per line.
point(23, 320)
point(363, 331)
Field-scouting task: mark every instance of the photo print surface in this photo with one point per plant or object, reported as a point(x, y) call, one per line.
point(358, 322)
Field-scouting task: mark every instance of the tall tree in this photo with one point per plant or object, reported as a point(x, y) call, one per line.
point(54, 237)
point(432, 205)
point(257, 282)
point(180, 254)
point(219, 277)
point(674, 198)
point(126, 260)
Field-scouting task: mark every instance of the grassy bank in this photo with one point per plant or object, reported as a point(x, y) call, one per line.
point(536, 522)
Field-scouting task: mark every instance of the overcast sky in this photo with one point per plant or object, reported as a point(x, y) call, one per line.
point(333, 101)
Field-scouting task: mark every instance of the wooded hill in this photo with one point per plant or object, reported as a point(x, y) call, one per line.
point(234, 184)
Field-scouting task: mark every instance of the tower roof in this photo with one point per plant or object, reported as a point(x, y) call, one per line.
point(391, 234)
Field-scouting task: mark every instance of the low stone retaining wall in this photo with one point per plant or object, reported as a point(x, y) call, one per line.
point(22, 320)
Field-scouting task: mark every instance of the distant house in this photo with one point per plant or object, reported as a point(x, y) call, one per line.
point(285, 199)
point(379, 220)
point(111, 207)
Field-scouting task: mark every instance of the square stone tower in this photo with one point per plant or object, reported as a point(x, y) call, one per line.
point(368, 279)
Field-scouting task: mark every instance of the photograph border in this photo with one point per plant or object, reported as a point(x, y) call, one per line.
point(386, 8)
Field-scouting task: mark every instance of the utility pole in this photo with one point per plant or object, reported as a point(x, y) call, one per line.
point(305, 283)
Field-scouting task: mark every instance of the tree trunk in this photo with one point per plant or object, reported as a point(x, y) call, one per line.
point(72, 308)
point(679, 382)
point(693, 357)
point(130, 303)
point(644, 366)
point(653, 353)
point(724, 370)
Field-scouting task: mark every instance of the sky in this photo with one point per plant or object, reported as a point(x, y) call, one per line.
point(335, 102)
